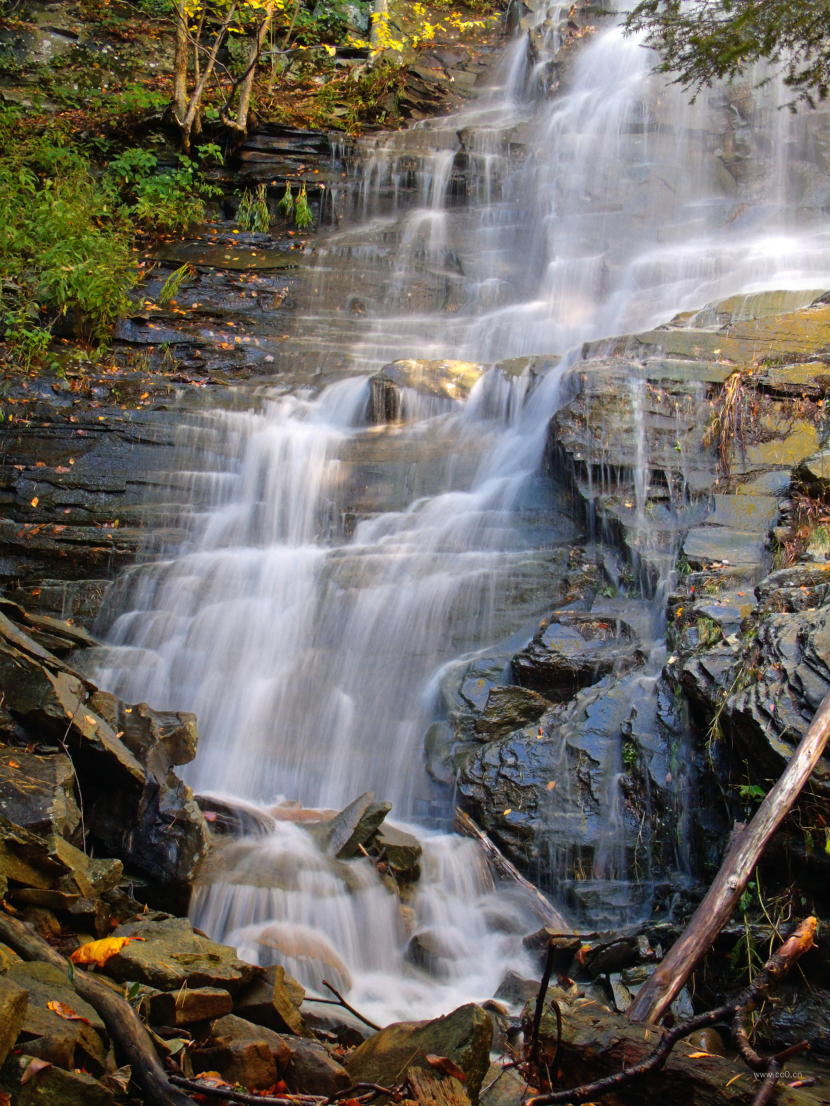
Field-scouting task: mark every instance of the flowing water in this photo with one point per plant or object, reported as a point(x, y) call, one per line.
point(326, 571)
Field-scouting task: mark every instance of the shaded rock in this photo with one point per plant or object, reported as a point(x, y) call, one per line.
point(14, 1001)
point(814, 472)
point(342, 835)
point(573, 651)
point(273, 1002)
point(401, 850)
point(312, 1070)
point(348, 1030)
point(68, 1044)
point(135, 806)
point(7, 958)
point(38, 792)
point(463, 1036)
point(503, 1087)
point(53, 1086)
point(247, 1063)
point(193, 1004)
point(171, 955)
point(509, 709)
point(24, 858)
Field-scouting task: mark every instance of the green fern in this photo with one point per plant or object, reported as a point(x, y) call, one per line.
point(286, 205)
point(302, 216)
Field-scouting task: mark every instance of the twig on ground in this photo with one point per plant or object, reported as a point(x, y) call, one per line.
point(773, 971)
point(228, 1093)
point(342, 1002)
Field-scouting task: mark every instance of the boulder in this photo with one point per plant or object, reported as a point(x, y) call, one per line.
point(7, 958)
point(401, 850)
point(190, 1005)
point(571, 651)
point(53, 1086)
point(172, 955)
point(394, 388)
point(342, 835)
point(464, 1036)
point(64, 1043)
point(14, 1001)
point(272, 1002)
point(508, 709)
point(38, 792)
point(246, 1063)
point(25, 858)
point(430, 952)
point(134, 805)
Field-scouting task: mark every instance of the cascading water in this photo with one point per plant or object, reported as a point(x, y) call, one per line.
point(313, 599)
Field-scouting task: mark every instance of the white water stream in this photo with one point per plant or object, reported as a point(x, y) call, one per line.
point(310, 647)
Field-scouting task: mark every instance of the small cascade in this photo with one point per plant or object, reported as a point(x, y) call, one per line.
point(331, 574)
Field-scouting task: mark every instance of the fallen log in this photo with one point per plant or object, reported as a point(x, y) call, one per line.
point(509, 873)
point(665, 983)
point(588, 1039)
point(122, 1022)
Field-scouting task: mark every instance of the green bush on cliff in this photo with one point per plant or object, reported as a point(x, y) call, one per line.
point(64, 249)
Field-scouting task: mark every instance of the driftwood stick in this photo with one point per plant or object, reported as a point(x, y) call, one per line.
point(123, 1024)
point(764, 982)
point(229, 1094)
point(510, 874)
point(540, 1002)
point(342, 1002)
point(768, 1084)
point(773, 971)
point(356, 1088)
point(658, 992)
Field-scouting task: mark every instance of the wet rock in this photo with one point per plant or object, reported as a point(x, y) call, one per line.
point(193, 1004)
point(508, 709)
point(343, 835)
point(67, 1044)
point(25, 858)
point(333, 1023)
point(444, 753)
point(135, 806)
point(401, 850)
point(430, 952)
point(172, 955)
point(14, 1001)
point(446, 381)
point(463, 1036)
point(571, 652)
point(516, 990)
point(503, 1087)
point(38, 792)
point(54, 1086)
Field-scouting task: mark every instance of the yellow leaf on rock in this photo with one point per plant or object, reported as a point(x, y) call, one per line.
point(35, 502)
point(550, 786)
point(99, 952)
point(64, 1011)
point(508, 811)
point(699, 1055)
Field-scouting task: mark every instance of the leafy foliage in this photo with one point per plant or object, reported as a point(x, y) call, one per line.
point(64, 246)
point(253, 213)
point(701, 41)
point(169, 200)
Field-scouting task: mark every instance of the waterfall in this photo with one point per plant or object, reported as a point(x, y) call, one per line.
point(323, 572)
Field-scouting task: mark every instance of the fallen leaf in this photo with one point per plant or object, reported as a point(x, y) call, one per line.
point(447, 1066)
point(99, 952)
point(508, 811)
point(119, 1080)
point(13, 764)
point(33, 1068)
point(35, 502)
point(5, 1098)
point(699, 1055)
point(64, 1011)
point(550, 786)
point(733, 1080)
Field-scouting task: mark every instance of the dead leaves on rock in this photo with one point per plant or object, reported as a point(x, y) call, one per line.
point(66, 1012)
point(446, 1067)
point(33, 1068)
point(99, 952)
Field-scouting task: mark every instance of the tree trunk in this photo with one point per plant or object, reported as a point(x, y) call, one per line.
point(240, 124)
point(180, 63)
point(186, 122)
point(657, 993)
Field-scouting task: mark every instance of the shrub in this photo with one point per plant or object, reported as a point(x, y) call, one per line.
point(64, 248)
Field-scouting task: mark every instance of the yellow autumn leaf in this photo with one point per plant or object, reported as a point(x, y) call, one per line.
point(330, 50)
point(99, 952)
point(699, 1055)
point(550, 786)
point(35, 502)
point(508, 811)
point(66, 1012)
